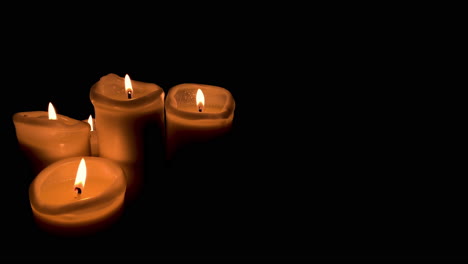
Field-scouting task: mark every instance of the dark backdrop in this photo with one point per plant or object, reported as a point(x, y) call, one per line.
point(334, 152)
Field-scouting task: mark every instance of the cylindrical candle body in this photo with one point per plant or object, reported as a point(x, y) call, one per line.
point(56, 208)
point(122, 123)
point(45, 141)
point(186, 124)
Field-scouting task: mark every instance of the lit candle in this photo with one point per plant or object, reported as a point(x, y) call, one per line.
point(78, 195)
point(46, 137)
point(93, 140)
point(196, 113)
point(125, 109)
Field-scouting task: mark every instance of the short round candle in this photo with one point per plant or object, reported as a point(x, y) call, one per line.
point(63, 206)
point(46, 137)
point(196, 113)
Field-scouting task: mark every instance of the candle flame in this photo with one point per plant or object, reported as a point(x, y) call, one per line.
point(200, 100)
point(80, 175)
point(90, 122)
point(52, 113)
point(128, 86)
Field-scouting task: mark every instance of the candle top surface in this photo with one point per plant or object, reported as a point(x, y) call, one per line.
point(41, 118)
point(182, 99)
point(111, 89)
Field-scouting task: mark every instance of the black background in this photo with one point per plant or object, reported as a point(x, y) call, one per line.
point(335, 153)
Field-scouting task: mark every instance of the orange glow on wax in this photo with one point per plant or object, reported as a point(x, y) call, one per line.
point(200, 100)
point(128, 86)
point(52, 113)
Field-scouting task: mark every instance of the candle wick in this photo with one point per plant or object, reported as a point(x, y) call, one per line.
point(129, 94)
point(77, 191)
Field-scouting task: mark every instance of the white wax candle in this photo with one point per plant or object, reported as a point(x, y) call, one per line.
point(189, 120)
point(56, 206)
point(45, 140)
point(121, 121)
point(93, 140)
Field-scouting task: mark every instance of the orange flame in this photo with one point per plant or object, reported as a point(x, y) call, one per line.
point(128, 86)
point(90, 122)
point(52, 113)
point(80, 176)
point(200, 100)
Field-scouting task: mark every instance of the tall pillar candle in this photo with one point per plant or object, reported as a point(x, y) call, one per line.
point(125, 110)
point(46, 137)
point(196, 113)
point(78, 196)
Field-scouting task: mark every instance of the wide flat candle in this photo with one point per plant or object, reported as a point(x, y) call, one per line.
point(122, 119)
point(57, 205)
point(196, 113)
point(45, 140)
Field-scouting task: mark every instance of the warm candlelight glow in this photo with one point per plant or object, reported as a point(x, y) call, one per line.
point(128, 86)
point(80, 176)
point(90, 122)
point(52, 113)
point(200, 100)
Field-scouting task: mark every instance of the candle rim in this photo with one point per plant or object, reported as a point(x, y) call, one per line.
point(104, 100)
point(118, 185)
point(226, 112)
point(40, 118)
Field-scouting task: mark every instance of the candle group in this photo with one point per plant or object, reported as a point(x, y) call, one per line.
point(111, 147)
